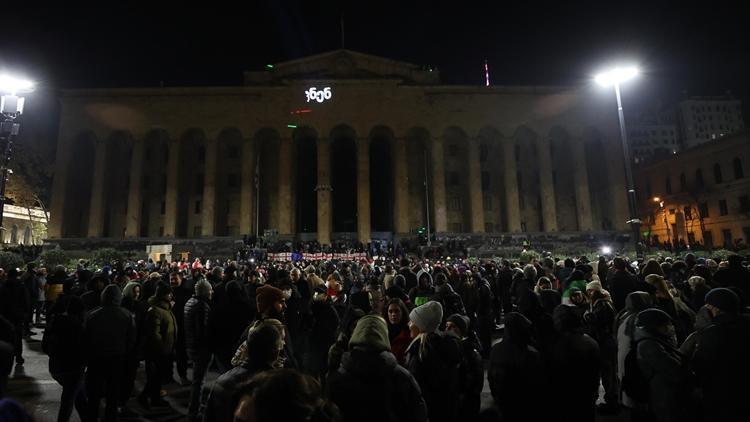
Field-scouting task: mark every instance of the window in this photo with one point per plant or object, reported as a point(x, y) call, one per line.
point(163, 207)
point(161, 231)
point(723, 210)
point(717, 173)
point(737, 164)
point(199, 181)
point(708, 239)
point(197, 208)
point(485, 180)
point(454, 204)
point(727, 235)
point(201, 154)
point(703, 209)
point(744, 203)
point(232, 180)
point(233, 152)
point(453, 150)
point(669, 186)
point(453, 179)
point(487, 203)
point(683, 182)
point(484, 152)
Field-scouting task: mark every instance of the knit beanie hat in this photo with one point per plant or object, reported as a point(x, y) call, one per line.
point(652, 318)
point(202, 288)
point(724, 299)
point(266, 296)
point(427, 317)
point(371, 332)
point(461, 322)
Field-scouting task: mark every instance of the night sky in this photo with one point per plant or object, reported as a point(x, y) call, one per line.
point(699, 49)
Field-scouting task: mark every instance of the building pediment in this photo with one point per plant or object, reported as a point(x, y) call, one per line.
point(343, 64)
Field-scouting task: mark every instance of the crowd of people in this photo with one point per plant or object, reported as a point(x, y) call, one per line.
point(410, 340)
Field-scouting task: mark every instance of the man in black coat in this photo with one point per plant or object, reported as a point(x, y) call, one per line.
point(735, 275)
point(409, 275)
point(198, 340)
point(621, 283)
point(181, 295)
point(720, 359)
point(15, 306)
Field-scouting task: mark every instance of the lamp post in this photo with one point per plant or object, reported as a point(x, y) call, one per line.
point(615, 77)
point(11, 107)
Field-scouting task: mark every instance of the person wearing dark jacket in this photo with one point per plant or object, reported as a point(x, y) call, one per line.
point(63, 343)
point(515, 372)
point(228, 320)
point(433, 358)
point(720, 358)
point(621, 283)
point(502, 290)
point(369, 370)
point(325, 322)
point(669, 380)
point(15, 305)
point(92, 298)
point(131, 300)
point(198, 340)
point(7, 337)
point(409, 276)
point(574, 366)
point(600, 321)
point(109, 337)
point(471, 368)
point(264, 342)
point(181, 295)
point(161, 336)
point(484, 320)
point(735, 276)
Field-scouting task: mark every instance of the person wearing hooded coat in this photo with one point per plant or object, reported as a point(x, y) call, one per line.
point(369, 370)
point(433, 358)
point(109, 336)
point(574, 365)
point(721, 357)
point(515, 372)
point(198, 340)
point(228, 321)
point(325, 322)
point(161, 337)
point(63, 342)
point(471, 368)
point(669, 379)
point(424, 291)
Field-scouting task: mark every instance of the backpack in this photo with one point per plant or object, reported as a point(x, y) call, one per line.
point(634, 383)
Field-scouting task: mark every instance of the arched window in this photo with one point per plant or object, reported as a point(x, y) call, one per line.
point(699, 178)
point(27, 236)
point(683, 182)
point(14, 234)
point(717, 173)
point(738, 173)
point(669, 186)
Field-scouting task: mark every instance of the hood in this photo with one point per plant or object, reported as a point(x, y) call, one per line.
point(127, 291)
point(154, 301)
point(549, 299)
point(419, 276)
point(444, 289)
point(642, 333)
point(517, 329)
point(370, 333)
point(111, 296)
point(638, 301)
point(566, 319)
point(368, 364)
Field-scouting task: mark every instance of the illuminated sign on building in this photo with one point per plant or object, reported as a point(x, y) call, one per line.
point(314, 95)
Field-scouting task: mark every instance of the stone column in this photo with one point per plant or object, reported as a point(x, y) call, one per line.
point(400, 187)
point(440, 214)
point(59, 185)
point(247, 186)
point(512, 206)
point(98, 190)
point(173, 188)
point(208, 211)
point(364, 229)
point(135, 194)
point(475, 187)
point(324, 191)
point(581, 184)
point(546, 185)
point(285, 186)
point(617, 189)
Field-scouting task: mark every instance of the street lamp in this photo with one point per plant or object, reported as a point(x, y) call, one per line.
point(615, 77)
point(11, 107)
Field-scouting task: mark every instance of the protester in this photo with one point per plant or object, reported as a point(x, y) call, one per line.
point(471, 368)
point(198, 340)
point(161, 336)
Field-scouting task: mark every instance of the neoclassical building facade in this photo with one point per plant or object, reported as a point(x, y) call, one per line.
point(340, 144)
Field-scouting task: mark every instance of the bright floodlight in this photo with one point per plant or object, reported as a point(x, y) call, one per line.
point(657, 199)
point(606, 250)
point(12, 85)
point(616, 75)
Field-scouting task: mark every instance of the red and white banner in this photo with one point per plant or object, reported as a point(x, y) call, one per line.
point(289, 256)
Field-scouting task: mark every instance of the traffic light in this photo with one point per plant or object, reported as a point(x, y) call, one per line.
point(421, 230)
